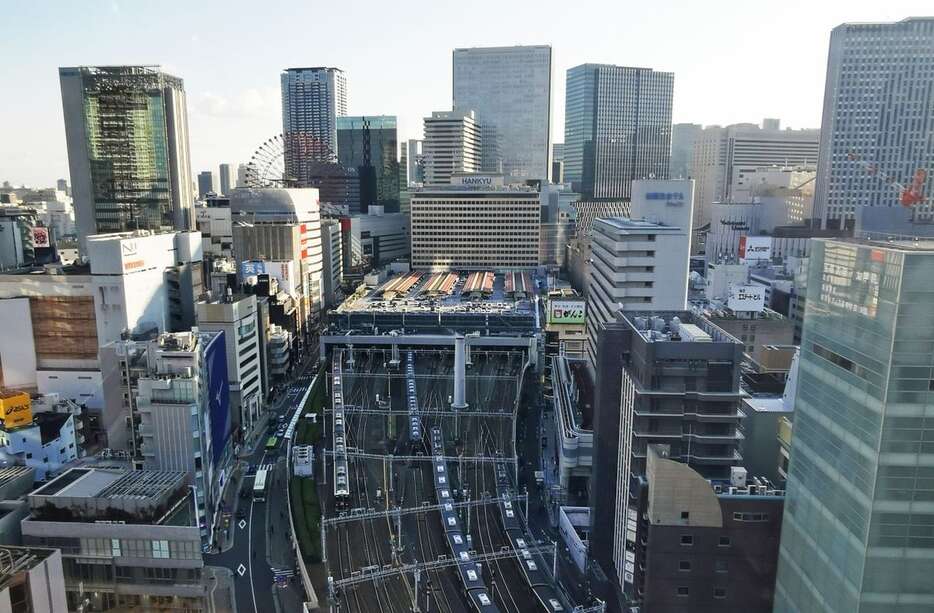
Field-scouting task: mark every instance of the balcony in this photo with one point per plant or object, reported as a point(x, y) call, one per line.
point(728, 459)
point(703, 437)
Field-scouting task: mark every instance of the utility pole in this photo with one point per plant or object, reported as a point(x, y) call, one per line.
point(324, 549)
point(418, 574)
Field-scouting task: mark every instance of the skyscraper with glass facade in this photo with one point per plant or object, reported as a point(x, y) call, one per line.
point(509, 88)
point(312, 100)
point(858, 531)
point(370, 145)
point(126, 128)
point(879, 107)
point(617, 127)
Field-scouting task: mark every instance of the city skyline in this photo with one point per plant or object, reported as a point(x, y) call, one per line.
point(234, 105)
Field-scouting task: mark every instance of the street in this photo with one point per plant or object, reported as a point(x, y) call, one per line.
point(261, 549)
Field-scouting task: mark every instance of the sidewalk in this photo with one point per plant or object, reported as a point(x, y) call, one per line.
point(220, 584)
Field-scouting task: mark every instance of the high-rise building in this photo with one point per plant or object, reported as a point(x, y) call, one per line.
point(226, 179)
point(509, 88)
point(127, 133)
point(857, 526)
point(878, 107)
point(476, 223)
point(312, 100)
point(683, 136)
point(617, 128)
point(185, 376)
point(237, 316)
point(414, 166)
point(641, 262)
point(207, 184)
point(452, 144)
point(721, 154)
point(332, 274)
point(282, 225)
point(668, 378)
point(370, 145)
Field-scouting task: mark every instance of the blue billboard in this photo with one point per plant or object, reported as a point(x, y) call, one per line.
point(215, 361)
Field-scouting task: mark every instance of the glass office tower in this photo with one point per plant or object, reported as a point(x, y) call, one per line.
point(370, 145)
point(858, 531)
point(879, 107)
point(617, 128)
point(509, 88)
point(126, 128)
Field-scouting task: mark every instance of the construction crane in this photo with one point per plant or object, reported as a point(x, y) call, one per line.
point(909, 195)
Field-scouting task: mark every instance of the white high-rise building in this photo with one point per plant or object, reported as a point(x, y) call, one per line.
point(641, 262)
point(237, 317)
point(878, 107)
point(312, 100)
point(451, 145)
point(510, 90)
point(476, 223)
point(722, 152)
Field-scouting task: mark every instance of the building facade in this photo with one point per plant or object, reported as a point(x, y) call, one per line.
point(226, 179)
point(856, 533)
point(451, 145)
point(641, 262)
point(879, 109)
point(149, 559)
point(332, 267)
point(721, 154)
point(186, 376)
point(617, 128)
point(207, 184)
point(683, 137)
point(312, 100)
point(126, 128)
point(237, 316)
point(510, 90)
point(274, 224)
point(370, 144)
point(669, 378)
point(476, 224)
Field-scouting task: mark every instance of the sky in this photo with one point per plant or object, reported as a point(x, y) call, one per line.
point(733, 61)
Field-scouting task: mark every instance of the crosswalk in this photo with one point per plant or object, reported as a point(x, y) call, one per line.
point(283, 572)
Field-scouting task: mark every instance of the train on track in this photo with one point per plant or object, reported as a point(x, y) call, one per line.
point(468, 570)
point(341, 477)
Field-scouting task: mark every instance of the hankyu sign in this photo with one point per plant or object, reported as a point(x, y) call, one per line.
point(564, 311)
point(755, 248)
point(746, 298)
point(477, 181)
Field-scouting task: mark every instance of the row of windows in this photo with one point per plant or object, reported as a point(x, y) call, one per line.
point(687, 540)
point(718, 592)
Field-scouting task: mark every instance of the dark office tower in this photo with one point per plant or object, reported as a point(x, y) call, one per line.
point(665, 377)
point(858, 532)
point(312, 100)
point(127, 133)
point(509, 89)
point(370, 145)
point(617, 127)
point(878, 119)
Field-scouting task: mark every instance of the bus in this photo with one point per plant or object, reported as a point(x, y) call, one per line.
point(259, 485)
point(271, 443)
